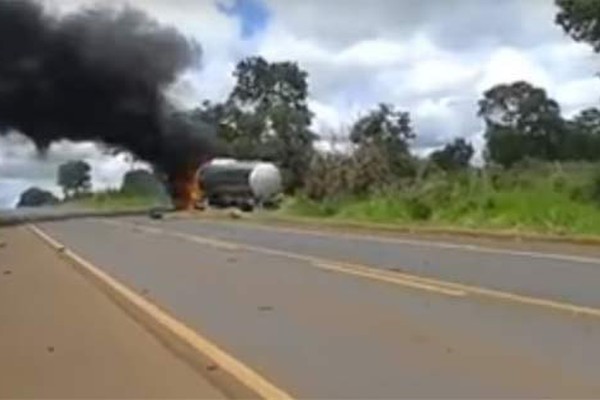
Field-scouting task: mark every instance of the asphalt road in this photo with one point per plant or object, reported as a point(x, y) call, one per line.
point(20, 216)
point(491, 322)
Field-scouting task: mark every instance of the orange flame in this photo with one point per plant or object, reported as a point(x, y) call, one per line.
point(187, 190)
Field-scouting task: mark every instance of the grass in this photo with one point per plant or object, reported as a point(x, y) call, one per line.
point(539, 199)
point(113, 200)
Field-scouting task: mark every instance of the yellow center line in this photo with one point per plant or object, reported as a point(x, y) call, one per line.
point(403, 279)
point(356, 270)
point(376, 275)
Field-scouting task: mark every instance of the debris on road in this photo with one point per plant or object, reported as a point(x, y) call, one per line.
point(156, 214)
point(235, 214)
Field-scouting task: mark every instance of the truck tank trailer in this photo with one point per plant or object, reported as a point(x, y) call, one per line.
point(242, 184)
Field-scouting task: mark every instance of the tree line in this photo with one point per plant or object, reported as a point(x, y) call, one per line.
point(266, 116)
point(75, 180)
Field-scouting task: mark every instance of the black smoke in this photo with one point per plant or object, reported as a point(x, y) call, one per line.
point(98, 74)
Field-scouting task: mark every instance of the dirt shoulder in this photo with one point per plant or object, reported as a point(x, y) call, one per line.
point(62, 338)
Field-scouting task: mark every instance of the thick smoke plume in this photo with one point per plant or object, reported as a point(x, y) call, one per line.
point(98, 74)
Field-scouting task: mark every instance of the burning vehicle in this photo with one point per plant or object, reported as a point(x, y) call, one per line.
point(241, 184)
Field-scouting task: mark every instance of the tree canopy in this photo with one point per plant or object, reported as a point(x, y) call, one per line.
point(267, 116)
point(521, 121)
point(389, 129)
point(36, 197)
point(583, 138)
point(74, 178)
point(142, 182)
point(580, 19)
point(454, 156)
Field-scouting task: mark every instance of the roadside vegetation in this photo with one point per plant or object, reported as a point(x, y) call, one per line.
point(531, 197)
point(140, 189)
point(538, 171)
point(116, 200)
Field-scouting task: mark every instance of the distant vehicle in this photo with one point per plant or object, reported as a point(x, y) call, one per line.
point(241, 184)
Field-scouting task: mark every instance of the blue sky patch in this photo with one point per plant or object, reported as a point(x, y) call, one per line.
point(253, 14)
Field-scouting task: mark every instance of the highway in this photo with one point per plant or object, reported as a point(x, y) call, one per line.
point(343, 315)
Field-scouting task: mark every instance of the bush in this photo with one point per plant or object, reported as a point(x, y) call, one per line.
point(559, 198)
point(333, 176)
point(418, 209)
point(438, 192)
point(489, 204)
point(559, 182)
point(595, 187)
point(580, 194)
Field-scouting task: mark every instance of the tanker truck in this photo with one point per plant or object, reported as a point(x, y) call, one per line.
point(241, 184)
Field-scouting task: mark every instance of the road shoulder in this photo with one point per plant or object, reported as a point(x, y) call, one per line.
point(62, 338)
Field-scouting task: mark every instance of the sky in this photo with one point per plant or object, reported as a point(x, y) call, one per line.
point(432, 58)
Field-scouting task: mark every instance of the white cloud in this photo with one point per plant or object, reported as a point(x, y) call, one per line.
point(439, 75)
point(577, 94)
point(510, 65)
point(456, 24)
point(327, 117)
point(418, 54)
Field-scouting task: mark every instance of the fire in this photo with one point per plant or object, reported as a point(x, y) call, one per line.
point(187, 192)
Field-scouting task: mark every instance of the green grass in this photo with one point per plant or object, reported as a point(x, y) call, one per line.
point(545, 199)
point(117, 201)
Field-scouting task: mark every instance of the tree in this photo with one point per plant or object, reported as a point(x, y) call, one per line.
point(240, 133)
point(581, 20)
point(267, 116)
point(74, 178)
point(582, 141)
point(265, 85)
point(521, 121)
point(454, 156)
point(388, 129)
point(142, 182)
point(36, 197)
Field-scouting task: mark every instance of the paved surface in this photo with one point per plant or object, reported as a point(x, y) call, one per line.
point(566, 277)
point(19, 216)
point(323, 333)
point(62, 338)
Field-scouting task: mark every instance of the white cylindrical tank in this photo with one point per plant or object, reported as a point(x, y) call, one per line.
point(265, 181)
